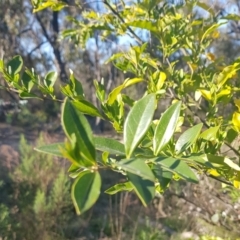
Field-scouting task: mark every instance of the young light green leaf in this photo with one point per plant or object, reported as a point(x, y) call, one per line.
point(137, 123)
point(210, 133)
point(144, 188)
point(53, 149)
point(111, 146)
point(177, 166)
point(14, 66)
point(119, 188)
point(86, 190)
point(138, 167)
point(74, 122)
point(166, 127)
point(50, 79)
point(188, 138)
point(87, 108)
point(128, 82)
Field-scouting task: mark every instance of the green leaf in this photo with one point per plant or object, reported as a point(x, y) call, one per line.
point(75, 123)
point(144, 188)
point(233, 17)
point(87, 108)
point(166, 127)
point(27, 95)
point(50, 79)
point(137, 123)
point(177, 166)
point(86, 190)
point(211, 29)
point(27, 81)
point(14, 66)
point(163, 176)
point(200, 159)
point(111, 146)
point(188, 138)
point(226, 74)
point(76, 86)
point(119, 188)
point(144, 24)
point(209, 134)
point(138, 167)
point(114, 93)
point(53, 149)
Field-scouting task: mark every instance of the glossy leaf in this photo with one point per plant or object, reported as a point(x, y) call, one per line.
point(86, 190)
point(144, 188)
point(111, 146)
point(177, 166)
point(137, 123)
point(166, 127)
point(188, 138)
point(14, 66)
point(138, 167)
point(74, 122)
point(50, 79)
point(119, 188)
point(53, 149)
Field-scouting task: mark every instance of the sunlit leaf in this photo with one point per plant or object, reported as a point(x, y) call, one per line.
point(137, 122)
point(210, 133)
point(188, 138)
point(236, 121)
point(74, 123)
point(87, 108)
point(166, 127)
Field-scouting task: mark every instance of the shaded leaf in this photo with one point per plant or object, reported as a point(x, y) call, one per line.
point(138, 167)
point(144, 188)
point(14, 66)
point(177, 166)
point(86, 190)
point(119, 188)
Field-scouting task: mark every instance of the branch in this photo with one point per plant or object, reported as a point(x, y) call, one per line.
point(138, 39)
point(54, 44)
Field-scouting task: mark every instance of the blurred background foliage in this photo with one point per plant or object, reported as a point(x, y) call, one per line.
point(34, 195)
